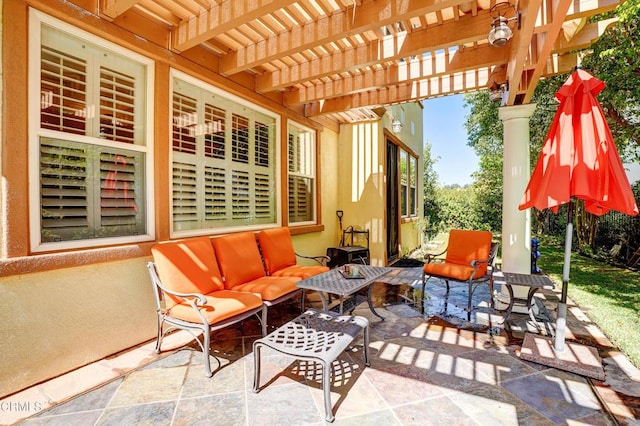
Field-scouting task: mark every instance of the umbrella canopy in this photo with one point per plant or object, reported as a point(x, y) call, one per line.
point(578, 160)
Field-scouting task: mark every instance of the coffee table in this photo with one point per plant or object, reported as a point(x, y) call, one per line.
point(335, 282)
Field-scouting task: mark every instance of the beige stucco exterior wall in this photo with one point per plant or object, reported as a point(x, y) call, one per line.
point(361, 154)
point(52, 322)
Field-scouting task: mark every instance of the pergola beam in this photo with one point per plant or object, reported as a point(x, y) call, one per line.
point(413, 91)
point(438, 65)
point(114, 8)
point(370, 16)
point(546, 45)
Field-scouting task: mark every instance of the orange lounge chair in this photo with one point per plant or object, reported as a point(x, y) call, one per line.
point(469, 259)
point(190, 295)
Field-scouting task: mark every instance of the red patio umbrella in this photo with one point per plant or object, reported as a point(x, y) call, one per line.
point(578, 160)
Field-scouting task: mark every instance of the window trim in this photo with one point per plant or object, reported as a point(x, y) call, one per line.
point(36, 20)
point(188, 78)
point(314, 150)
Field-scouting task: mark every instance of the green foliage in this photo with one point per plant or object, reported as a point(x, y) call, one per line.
point(457, 208)
point(430, 185)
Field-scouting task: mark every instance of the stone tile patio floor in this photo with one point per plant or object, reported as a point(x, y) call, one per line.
point(431, 370)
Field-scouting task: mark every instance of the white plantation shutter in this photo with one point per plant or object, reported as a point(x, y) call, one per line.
point(64, 196)
point(215, 194)
point(301, 177)
point(63, 103)
point(223, 162)
point(263, 196)
point(117, 106)
point(185, 196)
point(77, 203)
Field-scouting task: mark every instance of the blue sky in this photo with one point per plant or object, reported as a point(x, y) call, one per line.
point(444, 129)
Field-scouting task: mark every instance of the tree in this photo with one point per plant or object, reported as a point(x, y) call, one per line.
point(457, 208)
point(430, 186)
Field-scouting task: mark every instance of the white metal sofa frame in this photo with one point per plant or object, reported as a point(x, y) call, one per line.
point(195, 300)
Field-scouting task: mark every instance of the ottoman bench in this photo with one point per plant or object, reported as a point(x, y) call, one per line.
point(317, 336)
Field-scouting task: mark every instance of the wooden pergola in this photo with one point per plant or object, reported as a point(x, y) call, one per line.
point(339, 60)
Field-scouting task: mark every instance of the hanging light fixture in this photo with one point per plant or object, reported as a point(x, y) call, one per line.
point(501, 32)
point(396, 126)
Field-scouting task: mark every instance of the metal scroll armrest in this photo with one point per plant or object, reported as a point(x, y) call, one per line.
point(322, 260)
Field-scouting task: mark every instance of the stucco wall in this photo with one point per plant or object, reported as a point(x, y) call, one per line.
point(52, 322)
point(361, 154)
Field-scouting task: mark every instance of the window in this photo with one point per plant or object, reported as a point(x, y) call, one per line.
point(224, 160)
point(413, 170)
point(302, 175)
point(90, 144)
point(408, 179)
point(404, 181)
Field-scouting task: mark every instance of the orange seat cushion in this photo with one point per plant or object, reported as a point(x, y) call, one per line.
point(449, 270)
point(221, 305)
point(239, 258)
point(277, 249)
point(187, 266)
point(270, 288)
point(300, 271)
point(464, 247)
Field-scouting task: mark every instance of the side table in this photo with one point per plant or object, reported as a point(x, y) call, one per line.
point(315, 336)
point(534, 282)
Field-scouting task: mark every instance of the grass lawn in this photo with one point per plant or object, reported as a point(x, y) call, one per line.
point(610, 296)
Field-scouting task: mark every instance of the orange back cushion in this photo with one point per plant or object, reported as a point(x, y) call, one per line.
point(465, 246)
point(187, 266)
point(239, 258)
point(277, 249)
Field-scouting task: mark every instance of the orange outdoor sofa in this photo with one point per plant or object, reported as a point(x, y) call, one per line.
point(204, 284)
point(469, 259)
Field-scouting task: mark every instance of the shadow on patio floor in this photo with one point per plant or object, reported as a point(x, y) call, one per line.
point(436, 369)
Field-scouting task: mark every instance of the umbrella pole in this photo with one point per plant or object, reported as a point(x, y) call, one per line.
point(561, 322)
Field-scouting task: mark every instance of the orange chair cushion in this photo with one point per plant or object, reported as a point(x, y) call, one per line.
point(277, 249)
point(301, 271)
point(187, 266)
point(239, 258)
point(449, 270)
point(221, 305)
point(270, 288)
point(464, 247)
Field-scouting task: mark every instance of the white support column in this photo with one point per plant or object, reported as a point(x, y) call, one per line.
point(516, 224)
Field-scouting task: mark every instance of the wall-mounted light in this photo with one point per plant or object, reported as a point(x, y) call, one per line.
point(501, 32)
point(497, 91)
point(396, 126)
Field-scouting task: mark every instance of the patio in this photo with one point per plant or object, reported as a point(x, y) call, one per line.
point(437, 370)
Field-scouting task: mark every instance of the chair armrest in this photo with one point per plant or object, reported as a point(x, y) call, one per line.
point(476, 264)
point(322, 260)
point(430, 257)
point(193, 299)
